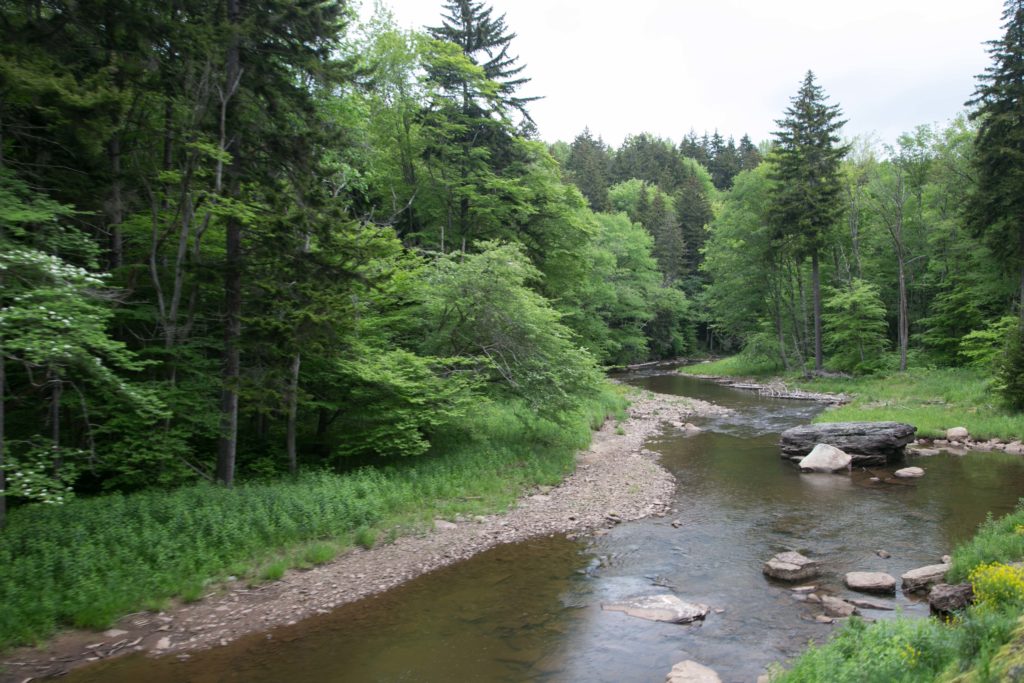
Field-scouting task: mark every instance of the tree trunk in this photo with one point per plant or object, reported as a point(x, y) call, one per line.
point(228, 443)
point(903, 323)
point(56, 391)
point(816, 287)
point(115, 211)
point(3, 442)
point(293, 411)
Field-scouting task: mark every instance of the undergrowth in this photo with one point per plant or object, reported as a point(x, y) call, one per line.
point(90, 561)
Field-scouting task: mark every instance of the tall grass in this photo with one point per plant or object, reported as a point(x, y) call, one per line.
point(931, 399)
point(89, 561)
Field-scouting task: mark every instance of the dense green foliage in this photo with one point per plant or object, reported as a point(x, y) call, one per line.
point(89, 561)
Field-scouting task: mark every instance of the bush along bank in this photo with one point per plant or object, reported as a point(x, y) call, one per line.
point(85, 563)
point(984, 642)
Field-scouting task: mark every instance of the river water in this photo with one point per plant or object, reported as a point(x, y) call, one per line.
point(532, 611)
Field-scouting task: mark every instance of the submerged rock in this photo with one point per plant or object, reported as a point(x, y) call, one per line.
point(791, 566)
point(825, 458)
point(661, 607)
point(872, 604)
point(870, 582)
point(909, 473)
point(921, 578)
point(692, 672)
point(869, 443)
point(836, 607)
point(945, 598)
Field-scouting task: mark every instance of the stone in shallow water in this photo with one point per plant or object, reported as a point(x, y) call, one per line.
point(872, 604)
point(835, 607)
point(660, 608)
point(870, 582)
point(957, 434)
point(909, 473)
point(691, 672)
point(825, 458)
point(923, 577)
point(791, 566)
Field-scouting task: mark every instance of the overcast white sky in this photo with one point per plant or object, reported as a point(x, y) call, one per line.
point(665, 66)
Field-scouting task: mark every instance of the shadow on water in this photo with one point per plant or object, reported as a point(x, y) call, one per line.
point(531, 611)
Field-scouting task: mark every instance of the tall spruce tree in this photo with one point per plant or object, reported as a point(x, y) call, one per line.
point(995, 210)
point(485, 41)
point(805, 200)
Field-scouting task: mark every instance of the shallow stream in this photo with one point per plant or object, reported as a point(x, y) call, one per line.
point(532, 611)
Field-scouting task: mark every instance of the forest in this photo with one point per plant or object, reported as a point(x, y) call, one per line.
point(243, 242)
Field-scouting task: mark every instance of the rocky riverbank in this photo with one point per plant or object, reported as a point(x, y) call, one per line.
point(615, 480)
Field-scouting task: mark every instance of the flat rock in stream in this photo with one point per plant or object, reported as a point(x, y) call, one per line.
point(924, 577)
point(868, 443)
point(791, 566)
point(870, 582)
point(660, 608)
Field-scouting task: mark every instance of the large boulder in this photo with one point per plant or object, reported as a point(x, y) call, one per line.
point(660, 608)
point(924, 577)
point(791, 566)
point(692, 672)
point(869, 443)
point(825, 458)
point(870, 582)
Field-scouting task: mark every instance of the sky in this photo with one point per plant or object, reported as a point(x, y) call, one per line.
point(664, 66)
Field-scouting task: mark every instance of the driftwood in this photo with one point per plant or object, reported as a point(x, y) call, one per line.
point(776, 390)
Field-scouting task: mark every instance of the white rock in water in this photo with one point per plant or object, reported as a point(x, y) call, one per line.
point(870, 582)
point(825, 458)
point(909, 473)
point(923, 577)
point(660, 608)
point(790, 566)
point(691, 672)
point(957, 434)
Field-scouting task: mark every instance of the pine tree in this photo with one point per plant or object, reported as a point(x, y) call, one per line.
point(587, 168)
point(485, 41)
point(995, 210)
point(806, 197)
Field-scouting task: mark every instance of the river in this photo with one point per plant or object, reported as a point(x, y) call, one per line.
point(532, 611)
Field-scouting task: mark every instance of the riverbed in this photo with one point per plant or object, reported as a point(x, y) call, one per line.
point(532, 611)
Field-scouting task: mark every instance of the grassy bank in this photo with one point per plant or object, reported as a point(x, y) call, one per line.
point(985, 643)
point(932, 399)
point(89, 561)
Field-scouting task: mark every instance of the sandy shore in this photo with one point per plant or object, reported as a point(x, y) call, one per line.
point(615, 480)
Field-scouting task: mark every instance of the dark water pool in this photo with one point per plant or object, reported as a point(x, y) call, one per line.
point(531, 611)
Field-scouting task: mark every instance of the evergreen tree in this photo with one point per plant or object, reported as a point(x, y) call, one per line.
point(588, 166)
point(749, 155)
point(485, 41)
point(996, 207)
point(806, 196)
